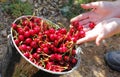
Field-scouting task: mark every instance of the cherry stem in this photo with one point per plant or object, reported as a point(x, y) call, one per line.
point(31, 16)
point(44, 54)
point(20, 21)
point(42, 61)
point(16, 34)
point(52, 25)
point(42, 22)
point(70, 45)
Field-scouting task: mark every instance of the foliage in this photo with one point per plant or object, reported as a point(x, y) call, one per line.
point(3, 0)
point(72, 8)
point(17, 8)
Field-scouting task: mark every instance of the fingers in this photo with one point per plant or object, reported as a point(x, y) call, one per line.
point(82, 40)
point(99, 39)
point(90, 5)
point(84, 22)
point(87, 38)
point(104, 18)
point(86, 27)
point(80, 17)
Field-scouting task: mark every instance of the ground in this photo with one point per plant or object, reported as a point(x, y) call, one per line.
point(92, 56)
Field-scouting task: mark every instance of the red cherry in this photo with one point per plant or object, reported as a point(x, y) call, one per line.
point(37, 29)
point(26, 54)
point(74, 39)
point(28, 41)
point(26, 28)
point(91, 25)
point(55, 49)
point(81, 34)
point(39, 50)
point(17, 41)
point(57, 36)
point(68, 37)
point(32, 59)
point(27, 34)
point(21, 37)
point(64, 49)
point(29, 48)
point(40, 34)
point(19, 28)
point(73, 52)
point(33, 44)
point(47, 33)
point(36, 56)
point(43, 45)
point(75, 23)
point(74, 60)
point(57, 57)
point(63, 31)
point(32, 32)
point(71, 31)
point(14, 26)
point(31, 24)
point(36, 39)
point(25, 22)
point(60, 49)
point(23, 47)
point(53, 37)
point(52, 57)
point(52, 30)
point(46, 50)
point(66, 58)
point(49, 65)
point(56, 43)
point(37, 20)
point(21, 32)
point(76, 36)
point(80, 27)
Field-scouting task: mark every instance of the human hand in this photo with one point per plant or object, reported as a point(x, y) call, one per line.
point(101, 10)
point(101, 31)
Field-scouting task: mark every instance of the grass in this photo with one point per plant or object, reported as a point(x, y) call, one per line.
point(17, 8)
point(72, 8)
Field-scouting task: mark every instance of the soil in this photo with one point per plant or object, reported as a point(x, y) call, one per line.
point(92, 56)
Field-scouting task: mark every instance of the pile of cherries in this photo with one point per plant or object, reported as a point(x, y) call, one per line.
point(46, 45)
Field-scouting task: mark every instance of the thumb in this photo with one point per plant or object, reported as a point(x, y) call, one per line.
point(90, 5)
point(99, 39)
point(82, 40)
